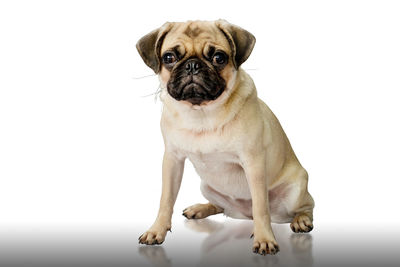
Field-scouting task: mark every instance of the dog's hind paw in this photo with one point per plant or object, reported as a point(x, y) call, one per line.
point(200, 211)
point(301, 223)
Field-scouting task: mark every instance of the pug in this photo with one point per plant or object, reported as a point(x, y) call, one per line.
point(213, 117)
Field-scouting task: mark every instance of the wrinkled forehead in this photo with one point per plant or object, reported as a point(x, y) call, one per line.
point(194, 37)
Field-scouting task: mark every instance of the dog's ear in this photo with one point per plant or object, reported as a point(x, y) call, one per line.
point(240, 40)
point(149, 46)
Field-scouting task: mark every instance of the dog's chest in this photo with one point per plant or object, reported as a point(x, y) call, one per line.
point(214, 162)
point(221, 171)
point(213, 156)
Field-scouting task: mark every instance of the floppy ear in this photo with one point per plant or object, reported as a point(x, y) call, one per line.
point(240, 40)
point(149, 46)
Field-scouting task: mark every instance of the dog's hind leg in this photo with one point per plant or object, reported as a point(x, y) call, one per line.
point(303, 208)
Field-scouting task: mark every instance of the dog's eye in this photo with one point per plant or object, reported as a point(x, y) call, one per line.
point(169, 58)
point(219, 58)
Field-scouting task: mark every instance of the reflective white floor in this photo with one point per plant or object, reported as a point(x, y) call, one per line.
point(208, 242)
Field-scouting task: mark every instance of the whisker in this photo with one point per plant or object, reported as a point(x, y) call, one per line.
point(156, 93)
point(141, 77)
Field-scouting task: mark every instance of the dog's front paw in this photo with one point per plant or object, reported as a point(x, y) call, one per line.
point(153, 236)
point(264, 246)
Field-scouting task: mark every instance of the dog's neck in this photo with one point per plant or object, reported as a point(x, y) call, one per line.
point(215, 114)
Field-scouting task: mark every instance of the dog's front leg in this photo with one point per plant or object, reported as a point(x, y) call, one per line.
point(264, 239)
point(172, 171)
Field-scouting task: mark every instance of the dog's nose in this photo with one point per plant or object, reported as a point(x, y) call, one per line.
point(192, 66)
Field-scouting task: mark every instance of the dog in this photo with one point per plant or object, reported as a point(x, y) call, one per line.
point(212, 116)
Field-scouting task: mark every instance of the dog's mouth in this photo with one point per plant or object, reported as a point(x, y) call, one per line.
point(195, 93)
point(202, 87)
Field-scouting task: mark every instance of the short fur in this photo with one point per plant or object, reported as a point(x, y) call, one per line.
point(235, 142)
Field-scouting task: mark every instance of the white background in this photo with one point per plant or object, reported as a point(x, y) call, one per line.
point(80, 144)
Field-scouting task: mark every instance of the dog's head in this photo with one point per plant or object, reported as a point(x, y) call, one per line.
point(196, 60)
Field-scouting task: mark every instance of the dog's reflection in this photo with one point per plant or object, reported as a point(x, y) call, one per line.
point(229, 243)
point(155, 255)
